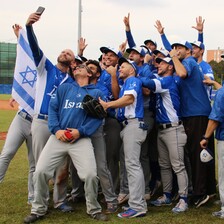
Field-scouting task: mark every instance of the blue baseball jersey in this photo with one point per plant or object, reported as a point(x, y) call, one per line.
point(66, 110)
point(49, 76)
point(207, 70)
point(167, 98)
point(193, 96)
point(133, 86)
point(217, 113)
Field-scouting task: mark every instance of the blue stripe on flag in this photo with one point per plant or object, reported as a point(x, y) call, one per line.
point(21, 92)
point(23, 43)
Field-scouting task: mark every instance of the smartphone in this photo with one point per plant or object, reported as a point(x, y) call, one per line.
point(68, 134)
point(40, 10)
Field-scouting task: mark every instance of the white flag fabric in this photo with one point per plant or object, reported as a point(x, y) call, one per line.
point(25, 75)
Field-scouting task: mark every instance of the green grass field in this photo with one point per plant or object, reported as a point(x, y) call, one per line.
point(13, 197)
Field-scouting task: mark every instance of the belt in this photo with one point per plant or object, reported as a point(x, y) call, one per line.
point(125, 122)
point(169, 125)
point(25, 115)
point(42, 116)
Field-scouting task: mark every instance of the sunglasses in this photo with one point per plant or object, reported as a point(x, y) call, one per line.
point(84, 66)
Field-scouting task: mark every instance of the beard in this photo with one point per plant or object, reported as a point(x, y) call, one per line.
point(63, 61)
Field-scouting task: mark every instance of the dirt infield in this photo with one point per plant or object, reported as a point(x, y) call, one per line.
point(4, 105)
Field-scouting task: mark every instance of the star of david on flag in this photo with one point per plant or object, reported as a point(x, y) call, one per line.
point(25, 75)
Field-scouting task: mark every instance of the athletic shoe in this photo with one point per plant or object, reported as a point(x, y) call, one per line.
point(202, 200)
point(111, 208)
point(163, 200)
point(65, 208)
point(219, 214)
point(100, 216)
point(32, 218)
point(122, 198)
point(181, 206)
point(130, 213)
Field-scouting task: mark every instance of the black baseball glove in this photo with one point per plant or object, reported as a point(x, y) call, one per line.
point(93, 107)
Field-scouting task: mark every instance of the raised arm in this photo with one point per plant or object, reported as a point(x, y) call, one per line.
point(160, 30)
point(82, 46)
point(199, 27)
point(131, 42)
point(37, 53)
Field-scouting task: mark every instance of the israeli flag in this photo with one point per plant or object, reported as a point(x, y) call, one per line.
point(25, 75)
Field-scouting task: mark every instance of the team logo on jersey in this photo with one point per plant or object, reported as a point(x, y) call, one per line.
point(132, 85)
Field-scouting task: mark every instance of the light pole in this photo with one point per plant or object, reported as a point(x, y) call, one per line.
point(79, 21)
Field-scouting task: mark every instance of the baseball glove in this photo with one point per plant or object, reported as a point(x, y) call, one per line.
point(93, 107)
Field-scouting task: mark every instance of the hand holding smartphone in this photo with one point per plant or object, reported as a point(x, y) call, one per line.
point(40, 10)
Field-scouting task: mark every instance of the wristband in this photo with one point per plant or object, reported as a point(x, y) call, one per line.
point(205, 138)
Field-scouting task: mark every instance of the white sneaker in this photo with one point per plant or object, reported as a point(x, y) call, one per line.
point(219, 214)
point(181, 206)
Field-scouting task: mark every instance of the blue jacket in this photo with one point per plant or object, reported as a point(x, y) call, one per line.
point(66, 111)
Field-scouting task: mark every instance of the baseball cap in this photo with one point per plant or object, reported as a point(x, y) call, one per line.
point(152, 41)
point(206, 155)
point(182, 43)
point(199, 44)
point(122, 60)
point(109, 49)
point(168, 60)
point(141, 50)
point(162, 51)
point(78, 58)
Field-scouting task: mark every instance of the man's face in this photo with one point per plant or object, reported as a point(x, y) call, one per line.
point(151, 46)
point(196, 52)
point(95, 73)
point(158, 55)
point(81, 71)
point(163, 68)
point(66, 57)
point(136, 57)
point(181, 52)
point(111, 59)
point(125, 70)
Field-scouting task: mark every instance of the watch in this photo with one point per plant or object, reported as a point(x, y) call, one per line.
point(205, 138)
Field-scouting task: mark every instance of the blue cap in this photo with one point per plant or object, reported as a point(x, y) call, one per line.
point(168, 60)
point(182, 43)
point(141, 50)
point(198, 44)
point(109, 49)
point(132, 63)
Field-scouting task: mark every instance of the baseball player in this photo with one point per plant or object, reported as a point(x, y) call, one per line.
point(48, 79)
point(171, 135)
point(66, 114)
point(216, 122)
point(195, 109)
point(133, 134)
point(19, 132)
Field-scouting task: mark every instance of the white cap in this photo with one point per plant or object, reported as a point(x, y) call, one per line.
point(206, 155)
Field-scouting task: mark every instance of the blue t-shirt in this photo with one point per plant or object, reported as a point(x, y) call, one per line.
point(193, 95)
point(217, 113)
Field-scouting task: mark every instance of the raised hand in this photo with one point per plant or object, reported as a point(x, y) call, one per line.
point(199, 24)
point(159, 27)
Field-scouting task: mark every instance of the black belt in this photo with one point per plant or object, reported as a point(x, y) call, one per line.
point(125, 122)
point(169, 125)
point(42, 116)
point(25, 115)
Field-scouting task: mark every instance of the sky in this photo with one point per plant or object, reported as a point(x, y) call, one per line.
point(102, 22)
